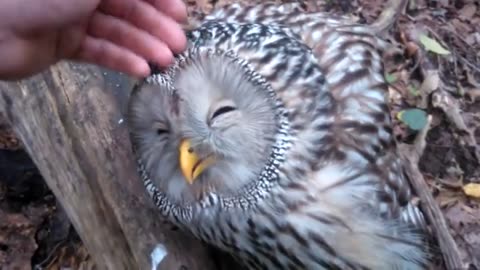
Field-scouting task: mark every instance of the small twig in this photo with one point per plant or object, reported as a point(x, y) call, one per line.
point(468, 63)
point(47, 260)
point(444, 101)
point(393, 8)
point(411, 155)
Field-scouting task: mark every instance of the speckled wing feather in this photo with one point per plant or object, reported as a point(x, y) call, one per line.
point(350, 57)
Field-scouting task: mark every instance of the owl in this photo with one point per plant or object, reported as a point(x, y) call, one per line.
point(270, 138)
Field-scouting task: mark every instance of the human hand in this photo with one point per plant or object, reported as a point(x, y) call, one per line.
point(119, 34)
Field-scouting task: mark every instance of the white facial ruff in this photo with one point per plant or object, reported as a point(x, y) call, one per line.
point(258, 188)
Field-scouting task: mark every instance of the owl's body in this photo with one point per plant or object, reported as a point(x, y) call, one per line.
point(306, 173)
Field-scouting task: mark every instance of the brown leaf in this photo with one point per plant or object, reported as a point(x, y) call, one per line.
point(467, 12)
point(451, 108)
point(412, 48)
point(474, 94)
point(8, 139)
point(17, 238)
point(461, 28)
point(464, 221)
point(72, 256)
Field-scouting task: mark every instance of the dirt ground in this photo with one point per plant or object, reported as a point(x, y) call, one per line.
point(434, 71)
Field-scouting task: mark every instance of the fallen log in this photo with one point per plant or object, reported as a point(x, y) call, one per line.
point(70, 121)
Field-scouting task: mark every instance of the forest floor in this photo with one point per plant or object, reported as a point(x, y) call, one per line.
point(435, 71)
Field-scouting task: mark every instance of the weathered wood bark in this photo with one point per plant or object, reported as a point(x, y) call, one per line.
point(71, 125)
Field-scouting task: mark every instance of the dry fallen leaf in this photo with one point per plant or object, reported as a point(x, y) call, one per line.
point(8, 140)
point(430, 83)
point(472, 190)
point(17, 237)
point(467, 11)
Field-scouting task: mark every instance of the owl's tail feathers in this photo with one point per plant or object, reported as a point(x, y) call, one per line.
point(384, 245)
point(361, 235)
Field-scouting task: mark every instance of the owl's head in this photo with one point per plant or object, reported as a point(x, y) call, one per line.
point(207, 126)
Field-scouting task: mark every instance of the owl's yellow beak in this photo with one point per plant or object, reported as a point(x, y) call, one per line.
point(190, 163)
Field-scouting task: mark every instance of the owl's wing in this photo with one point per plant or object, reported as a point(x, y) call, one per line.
point(350, 57)
point(292, 18)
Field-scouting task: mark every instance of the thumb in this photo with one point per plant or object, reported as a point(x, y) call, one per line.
point(28, 15)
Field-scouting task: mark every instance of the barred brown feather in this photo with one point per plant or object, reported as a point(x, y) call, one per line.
point(308, 175)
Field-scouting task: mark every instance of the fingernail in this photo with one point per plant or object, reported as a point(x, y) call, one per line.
point(142, 69)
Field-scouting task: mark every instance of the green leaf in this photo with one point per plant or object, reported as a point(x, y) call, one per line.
point(415, 119)
point(413, 90)
point(433, 46)
point(390, 78)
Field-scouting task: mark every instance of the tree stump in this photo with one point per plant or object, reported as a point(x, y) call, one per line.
point(70, 121)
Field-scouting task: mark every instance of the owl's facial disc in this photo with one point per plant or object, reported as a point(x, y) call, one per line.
point(191, 164)
point(211, 130)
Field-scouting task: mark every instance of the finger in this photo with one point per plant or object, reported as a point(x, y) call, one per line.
point(126, 35)
point(107, 54)
point(44, 14)
point(21, 59)
point(146, 17)
point(173, 8)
